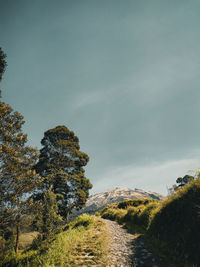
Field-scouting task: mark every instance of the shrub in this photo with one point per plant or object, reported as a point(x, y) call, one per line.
point(176, 223)
point(59, 252)
point(132, 215)
point(133, 202)
point(131, 212)
point(114, 214)
point(146, 212)
point(83, 220)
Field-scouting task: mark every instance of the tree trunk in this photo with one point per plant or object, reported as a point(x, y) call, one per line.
point(67, 217)
point(17, 238)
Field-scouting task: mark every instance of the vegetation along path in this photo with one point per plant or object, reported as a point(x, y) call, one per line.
point(127, 249)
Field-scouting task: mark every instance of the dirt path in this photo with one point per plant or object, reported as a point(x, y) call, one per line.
point(127, 250)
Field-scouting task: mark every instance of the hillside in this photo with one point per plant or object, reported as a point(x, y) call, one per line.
point(99, 201)
point(170, 227)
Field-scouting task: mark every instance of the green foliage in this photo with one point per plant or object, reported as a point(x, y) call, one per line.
point(83, 220)
point(3, 63)
point(133, 202)
point(181, 181)
point(176, 225)
point(48, 220)
point(184, 181)
point(17, 177)
point(171, 227)
point(114, 214)
point(97, 213)
point(146, 212)
point(61, 164)
point(84, 234)
point(133, 212)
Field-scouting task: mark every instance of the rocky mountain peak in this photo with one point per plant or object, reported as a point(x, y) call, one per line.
point(100, 200)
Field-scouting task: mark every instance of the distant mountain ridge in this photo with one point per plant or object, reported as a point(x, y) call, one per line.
point(100, 200)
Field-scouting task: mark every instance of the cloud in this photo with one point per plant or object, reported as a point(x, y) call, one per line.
point(85, 99)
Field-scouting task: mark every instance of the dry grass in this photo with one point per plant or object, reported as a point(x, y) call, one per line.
point(26, 239)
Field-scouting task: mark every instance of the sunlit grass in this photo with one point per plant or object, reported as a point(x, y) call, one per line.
point(170, 227)
point(84, 243)
point(26, 239)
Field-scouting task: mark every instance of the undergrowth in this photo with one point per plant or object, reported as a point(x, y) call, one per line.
point(84, 242)
point(133, 213)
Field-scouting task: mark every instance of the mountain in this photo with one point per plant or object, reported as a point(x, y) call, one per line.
point(99, 201)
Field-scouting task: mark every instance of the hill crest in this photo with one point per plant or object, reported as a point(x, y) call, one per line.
point(100, 200)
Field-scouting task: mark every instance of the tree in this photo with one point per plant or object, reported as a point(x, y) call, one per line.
point(61, 165)
point(181, 181)
point(2, 63)
point(184, 181)
point(48, 220)
point(18, 180)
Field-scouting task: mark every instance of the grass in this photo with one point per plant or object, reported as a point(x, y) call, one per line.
point(84, 243)
point(176, 224)
point(134, 213)
point(170, 227)
point(26, 240)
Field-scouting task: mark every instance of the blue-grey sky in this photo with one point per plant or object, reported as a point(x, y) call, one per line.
point(124, 75)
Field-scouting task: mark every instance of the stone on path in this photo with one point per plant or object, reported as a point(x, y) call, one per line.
point(127, 250)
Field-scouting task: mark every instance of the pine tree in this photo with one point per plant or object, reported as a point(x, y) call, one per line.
point(61, 164)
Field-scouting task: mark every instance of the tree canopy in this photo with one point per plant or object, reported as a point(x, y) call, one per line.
point(2, 63)
point(61, 164)
point(17, 177)
point(182, 181)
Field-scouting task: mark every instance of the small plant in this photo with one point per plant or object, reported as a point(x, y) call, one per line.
point(83, 220)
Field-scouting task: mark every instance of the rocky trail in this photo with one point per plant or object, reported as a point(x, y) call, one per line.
point(128, 250)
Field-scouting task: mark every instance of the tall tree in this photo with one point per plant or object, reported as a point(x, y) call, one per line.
point(18, 179)
point(61, 164)
point(2, 63)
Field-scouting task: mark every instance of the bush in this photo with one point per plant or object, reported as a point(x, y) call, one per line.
point(132, 215)
point(114, 214)
point(135, 212)
point(56, 252)
point(134, 203)
point(146, 212)
point(83, 220)
point(176, 224)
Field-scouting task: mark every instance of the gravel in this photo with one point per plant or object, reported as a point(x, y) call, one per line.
point(128, 250)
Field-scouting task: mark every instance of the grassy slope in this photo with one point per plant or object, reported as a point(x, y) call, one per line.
point(171, 227)
point(134, 213)
point(84, 243)
point(26, 239)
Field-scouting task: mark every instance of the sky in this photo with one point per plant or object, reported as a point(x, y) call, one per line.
point(124, 75)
